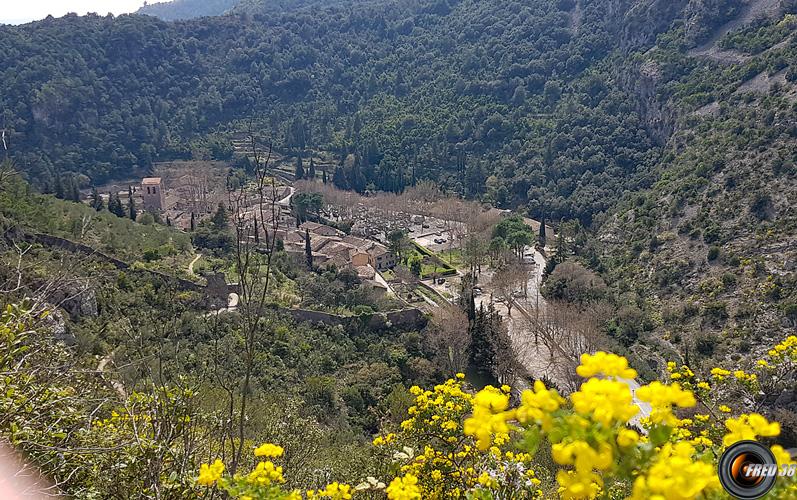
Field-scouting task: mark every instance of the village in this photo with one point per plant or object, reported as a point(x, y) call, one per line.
point(377, 237)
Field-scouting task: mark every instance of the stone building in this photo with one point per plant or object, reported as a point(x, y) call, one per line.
point(153, 194)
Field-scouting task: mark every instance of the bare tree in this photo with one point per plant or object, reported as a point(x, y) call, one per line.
point(253, 271)
point(451, 337)
point(567, 331)
point(506, 281)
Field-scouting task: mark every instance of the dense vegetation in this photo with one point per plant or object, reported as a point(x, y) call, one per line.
point(503, 100)
point(187, 9)
point(663, 149)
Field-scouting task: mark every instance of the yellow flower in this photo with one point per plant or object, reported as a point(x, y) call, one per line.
point(486, 480)
point(675, 476)
point(460, 376)
point(266, 474)
point(334, 491)
point(724, 409)
point(269, 450)
point(703, 385)
point(578, 486)
point(749, 427)
point(488, 416)
point(610, 365)
point(404, 488)
point(581, 455)
point(662, 397)
point(719, 373)
point(606, 401)
point(209, 474)
point(437, 475)
point(537, 405)
point(627, 437)
point(782, 457)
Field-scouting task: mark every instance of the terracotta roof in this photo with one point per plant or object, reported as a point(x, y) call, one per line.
point(365, 272)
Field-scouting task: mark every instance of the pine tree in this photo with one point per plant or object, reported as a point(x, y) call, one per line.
point(308, 250)
point(299, 174)
point(131, 205)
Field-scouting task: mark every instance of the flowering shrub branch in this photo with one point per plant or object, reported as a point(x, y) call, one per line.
point(456, 444)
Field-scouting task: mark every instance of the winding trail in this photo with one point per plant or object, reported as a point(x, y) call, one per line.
point(191, 265)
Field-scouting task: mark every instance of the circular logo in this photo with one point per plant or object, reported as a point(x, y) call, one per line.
point(747, 470)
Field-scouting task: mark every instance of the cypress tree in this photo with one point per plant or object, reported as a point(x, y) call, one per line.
point(339, 179)
point(59, 187)
point(324, 176)
point(131, 205)
point(96, 200)
point(257, 230)
point(299, 174)
point(542, 231)
point(308, 250)
point(74, 191)
point(193, 221)
point(115, 205)
point(220, 217)
point(311, 170)
point(482, 352)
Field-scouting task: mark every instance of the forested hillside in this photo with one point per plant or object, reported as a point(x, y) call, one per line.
point(556, 107)
point(659, 138)
point(187, 9)
point(513, 102)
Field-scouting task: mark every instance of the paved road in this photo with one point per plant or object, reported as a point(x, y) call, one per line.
point(535, 357)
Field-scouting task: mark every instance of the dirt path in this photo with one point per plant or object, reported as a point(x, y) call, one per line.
point(191, 265)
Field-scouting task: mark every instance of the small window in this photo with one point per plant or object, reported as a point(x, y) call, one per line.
point(148, 190)
point(154, 190)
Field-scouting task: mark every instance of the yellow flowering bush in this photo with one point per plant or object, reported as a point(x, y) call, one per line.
point(600, 441)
